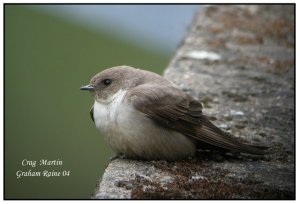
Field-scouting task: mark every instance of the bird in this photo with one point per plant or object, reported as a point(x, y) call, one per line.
point(145, 116)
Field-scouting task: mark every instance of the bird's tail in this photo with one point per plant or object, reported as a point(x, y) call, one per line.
point(209, 133)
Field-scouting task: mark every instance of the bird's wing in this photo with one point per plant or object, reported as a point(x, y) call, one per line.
point(174, 109)
point(92, 113)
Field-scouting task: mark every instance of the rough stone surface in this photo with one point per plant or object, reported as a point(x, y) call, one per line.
point(239, 62)
point(117, 181)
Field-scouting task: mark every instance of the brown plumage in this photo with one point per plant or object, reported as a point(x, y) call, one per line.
point(181, 112)
point(142, 115)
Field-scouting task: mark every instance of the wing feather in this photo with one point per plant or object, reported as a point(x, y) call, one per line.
point(92, 113)
point(172, 108)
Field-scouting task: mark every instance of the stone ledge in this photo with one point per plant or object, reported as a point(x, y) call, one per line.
point(239, 61)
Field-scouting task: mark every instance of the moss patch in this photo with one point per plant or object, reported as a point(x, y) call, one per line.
point(198, 179)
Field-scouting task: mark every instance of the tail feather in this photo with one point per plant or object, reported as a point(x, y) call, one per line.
point(209, 133)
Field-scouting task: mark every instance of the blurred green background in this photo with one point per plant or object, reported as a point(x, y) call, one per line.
point(47, 59)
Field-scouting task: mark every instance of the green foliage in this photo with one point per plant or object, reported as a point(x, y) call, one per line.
point(46, 115)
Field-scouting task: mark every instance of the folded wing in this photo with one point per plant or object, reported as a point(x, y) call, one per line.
point(174, 109)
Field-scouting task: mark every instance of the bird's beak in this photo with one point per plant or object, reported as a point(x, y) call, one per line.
point(87, 87)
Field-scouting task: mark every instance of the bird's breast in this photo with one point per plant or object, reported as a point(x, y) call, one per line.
point(131, 132)
point(106, 113)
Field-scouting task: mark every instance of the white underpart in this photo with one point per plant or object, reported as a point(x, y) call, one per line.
point(130, 132)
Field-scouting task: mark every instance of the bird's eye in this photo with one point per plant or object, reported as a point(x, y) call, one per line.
point(106, 82)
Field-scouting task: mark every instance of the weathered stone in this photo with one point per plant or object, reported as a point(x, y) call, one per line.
point(239, 61)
